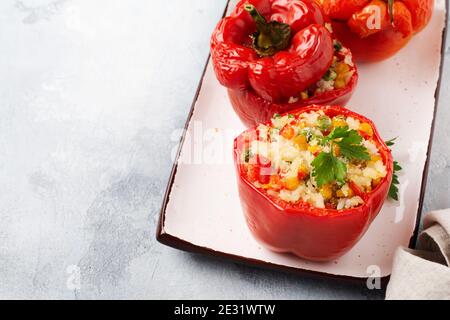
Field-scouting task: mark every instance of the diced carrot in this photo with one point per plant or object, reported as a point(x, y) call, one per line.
point(287, 132)
point(301, 142)
point(376, 182)
point(275, 182)
point(291, 183)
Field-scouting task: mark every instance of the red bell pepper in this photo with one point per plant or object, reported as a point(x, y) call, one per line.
point(319, 234)
point(263, 82)
point(375, 29)
point(252, 109)
point(278, 48)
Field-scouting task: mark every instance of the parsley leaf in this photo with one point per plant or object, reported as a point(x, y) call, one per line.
point(339, 132)
point(337, 46)
point(391, 142)
point(393, 190)
point(353, 152)
point(349, 142)
point(328, 168)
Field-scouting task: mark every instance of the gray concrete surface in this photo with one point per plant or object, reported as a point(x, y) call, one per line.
point(90, 93)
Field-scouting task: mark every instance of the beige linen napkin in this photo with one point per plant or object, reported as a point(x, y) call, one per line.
point(424, 273)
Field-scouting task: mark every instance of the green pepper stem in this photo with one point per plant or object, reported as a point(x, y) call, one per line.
point(270, 36)
point(261, 22)
point(391, 10)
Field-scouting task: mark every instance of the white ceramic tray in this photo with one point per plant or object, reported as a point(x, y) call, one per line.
point(201, 211)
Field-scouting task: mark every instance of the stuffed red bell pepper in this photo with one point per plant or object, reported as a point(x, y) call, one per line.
point(278, 55)
point(312, 181)
point(376, 29)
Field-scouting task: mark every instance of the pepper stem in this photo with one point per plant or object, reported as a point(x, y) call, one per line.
point(391, 10)
point(261, 22)
point(270, 37)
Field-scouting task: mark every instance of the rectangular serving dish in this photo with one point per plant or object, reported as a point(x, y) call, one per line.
point(201, 211)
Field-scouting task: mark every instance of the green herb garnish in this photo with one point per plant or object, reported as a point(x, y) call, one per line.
point(391, 142)
point(307, 132)
point(270, 36)
point(330, 75)
point(351, 148)
point(327, 167)
point(393, 189)
point(324, 123)
point(337, 46)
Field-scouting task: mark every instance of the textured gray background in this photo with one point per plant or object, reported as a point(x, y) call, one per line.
point(90, 93)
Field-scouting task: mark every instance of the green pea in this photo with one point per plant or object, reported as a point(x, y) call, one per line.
point(324, 123)
point(337, 46)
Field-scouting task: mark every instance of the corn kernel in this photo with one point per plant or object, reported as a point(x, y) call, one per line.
point(370, 164)
point(326, 191)
point(291, 183)
point(340, 194)
point(345, 191)
point(301, 142)
point(366, 128)
point(337, 122)
point(314, 149)
point(350, 192)
point(304, 95)
point(287, 132)
point(339, 83)
point(373, 160)
point(341, 68)
point(304, 168)
point(375, 157)
point(300, 139)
